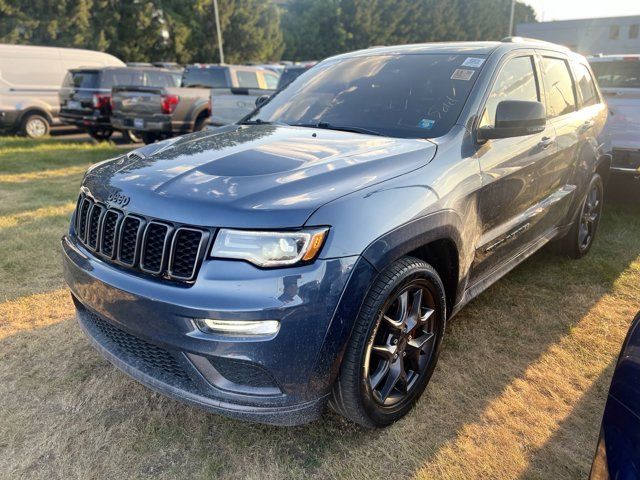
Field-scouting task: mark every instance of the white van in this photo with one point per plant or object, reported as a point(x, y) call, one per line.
point(30, 79)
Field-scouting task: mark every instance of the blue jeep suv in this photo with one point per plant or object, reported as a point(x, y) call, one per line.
point(312, 253)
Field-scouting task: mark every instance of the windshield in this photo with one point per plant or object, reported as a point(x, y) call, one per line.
point(407, 96)
point(617, 74)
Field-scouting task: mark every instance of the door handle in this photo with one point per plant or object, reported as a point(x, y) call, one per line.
point(586, 126)
point(545, 142)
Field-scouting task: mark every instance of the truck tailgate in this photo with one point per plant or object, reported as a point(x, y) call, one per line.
point(142, 101)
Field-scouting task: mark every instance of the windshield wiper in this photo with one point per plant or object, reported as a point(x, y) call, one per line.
point(342, 128)
point(259, 121)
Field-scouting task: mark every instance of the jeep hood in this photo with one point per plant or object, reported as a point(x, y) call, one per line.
point(257, 176)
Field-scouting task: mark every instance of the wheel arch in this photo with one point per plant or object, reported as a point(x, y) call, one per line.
point(435, 238)
point(34, 110)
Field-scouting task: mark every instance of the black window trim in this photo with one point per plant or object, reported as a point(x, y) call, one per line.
point(494, 77)
point(594, 82)
point(567, 61)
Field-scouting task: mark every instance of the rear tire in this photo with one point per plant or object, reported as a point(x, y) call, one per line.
point(394, 346)
point(131, 136)
point(100, 134)
point(35, 126)
point(578, 241)
point(199, 123)
point(149, 138)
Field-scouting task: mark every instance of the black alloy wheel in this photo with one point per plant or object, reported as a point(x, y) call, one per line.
point(590, 216)
point(402, 346)
point(394, 347)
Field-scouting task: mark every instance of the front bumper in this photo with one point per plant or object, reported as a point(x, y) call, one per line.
point(146, 328)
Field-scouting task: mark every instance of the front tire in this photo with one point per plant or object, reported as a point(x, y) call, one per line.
point(579, 239)
point(394, 347)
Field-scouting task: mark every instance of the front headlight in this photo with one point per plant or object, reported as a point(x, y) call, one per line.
point(269, 249)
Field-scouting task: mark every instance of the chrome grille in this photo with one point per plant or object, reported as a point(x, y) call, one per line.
point(133, 241)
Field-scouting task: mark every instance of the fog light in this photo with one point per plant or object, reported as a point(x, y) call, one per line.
point(238, 327)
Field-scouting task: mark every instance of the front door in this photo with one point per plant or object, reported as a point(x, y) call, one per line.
point(511, 201)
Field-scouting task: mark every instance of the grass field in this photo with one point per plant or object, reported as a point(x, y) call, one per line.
point(518, 393)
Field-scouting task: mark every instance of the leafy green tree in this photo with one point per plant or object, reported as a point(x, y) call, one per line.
point(317, 28)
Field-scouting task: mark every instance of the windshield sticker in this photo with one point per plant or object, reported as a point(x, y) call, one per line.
point(462, 74)
point(426, 123)
point(473, 62)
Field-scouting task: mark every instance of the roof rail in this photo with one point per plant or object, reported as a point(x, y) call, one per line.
point(531, 40)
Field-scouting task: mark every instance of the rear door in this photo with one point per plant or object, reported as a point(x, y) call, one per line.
point(556, 174)
point(511, 203)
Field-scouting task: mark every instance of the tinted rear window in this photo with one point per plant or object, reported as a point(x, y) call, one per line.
point(87, 79)
point(408, 96)
point(161, 79)
point(114, 78)
point(618, 73)
point(205, 77)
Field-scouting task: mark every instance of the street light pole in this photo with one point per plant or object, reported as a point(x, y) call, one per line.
point(513, 7)
point(215, 9)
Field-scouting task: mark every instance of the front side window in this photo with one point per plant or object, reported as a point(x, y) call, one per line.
point(634, 30)
point(397, 95)
point(516, 81)
point(559, 87)
point(247, 79)
point(585, 85)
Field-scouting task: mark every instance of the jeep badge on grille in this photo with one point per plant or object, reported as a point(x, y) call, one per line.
point(118, 199)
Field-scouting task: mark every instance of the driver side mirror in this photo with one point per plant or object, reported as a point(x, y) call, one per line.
point(515, 118)
point(261, 100)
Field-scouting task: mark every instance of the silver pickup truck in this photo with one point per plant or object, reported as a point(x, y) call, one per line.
point(236, 98)
point(619, 79)
point(163, 112)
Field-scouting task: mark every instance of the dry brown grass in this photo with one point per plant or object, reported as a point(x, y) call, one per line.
point(518, 393)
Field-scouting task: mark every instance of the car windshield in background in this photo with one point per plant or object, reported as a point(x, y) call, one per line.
point(205, 77)
point(618, 73)
point(407, 96)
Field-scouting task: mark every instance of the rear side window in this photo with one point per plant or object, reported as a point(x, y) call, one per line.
point(205, 77)
point(585, 84)
point(247, 79)
point(618, 73)
point(516, 81)
point(557, 81)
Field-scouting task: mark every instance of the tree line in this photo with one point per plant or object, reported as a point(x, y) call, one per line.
point(252, 30)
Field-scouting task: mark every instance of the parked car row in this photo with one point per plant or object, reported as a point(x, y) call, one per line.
point(145, 101)
point(30, 79)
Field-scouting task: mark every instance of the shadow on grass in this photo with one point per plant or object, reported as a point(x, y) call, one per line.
point(560, 449)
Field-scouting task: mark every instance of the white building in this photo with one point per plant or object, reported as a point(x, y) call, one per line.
point(590, 35)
